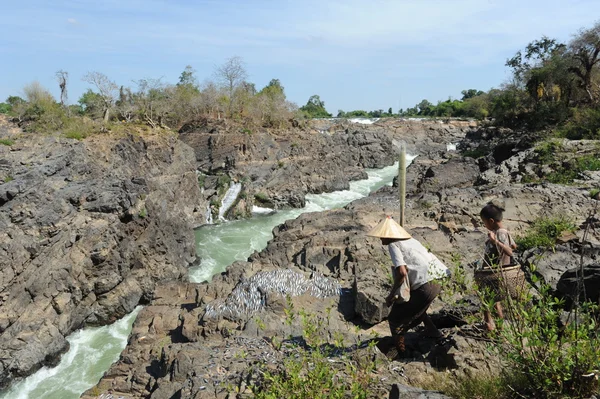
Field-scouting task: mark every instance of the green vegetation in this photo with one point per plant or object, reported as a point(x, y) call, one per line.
point(553, 85)
point(261, 197)
point(594, 192)
point(544, 231)
point(105, 105)
point(315, 108)
point(307, 372)
point(568, 347)
point(8, 179)
point(565, 171)
point(7, 142)
point(143, 213)
point(201, 180)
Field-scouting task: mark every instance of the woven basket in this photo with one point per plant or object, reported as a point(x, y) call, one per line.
point(509, 279)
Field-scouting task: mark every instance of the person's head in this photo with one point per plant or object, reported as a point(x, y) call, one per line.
point(388, 241)
point(491, 216)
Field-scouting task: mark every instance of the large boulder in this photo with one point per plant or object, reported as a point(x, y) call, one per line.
point(570, 282)
point(87, 229)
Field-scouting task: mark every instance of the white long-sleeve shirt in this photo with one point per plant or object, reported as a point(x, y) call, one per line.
point(422, 265)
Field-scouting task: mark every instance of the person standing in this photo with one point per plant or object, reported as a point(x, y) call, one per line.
point(498, 254)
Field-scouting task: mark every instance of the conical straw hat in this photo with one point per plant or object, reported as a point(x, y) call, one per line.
point(388, 228)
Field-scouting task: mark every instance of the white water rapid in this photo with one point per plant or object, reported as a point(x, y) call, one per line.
point(93, 350)
point(229, 198)
point(220, 245)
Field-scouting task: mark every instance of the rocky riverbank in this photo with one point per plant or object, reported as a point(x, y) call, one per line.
point(278, 167)
point(88, 228)
point(194, 341)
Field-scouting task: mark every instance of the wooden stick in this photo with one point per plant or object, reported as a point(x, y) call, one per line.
point(402, 181)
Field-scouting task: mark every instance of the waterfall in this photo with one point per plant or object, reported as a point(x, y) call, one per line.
point(229, 198)
point(209, 217)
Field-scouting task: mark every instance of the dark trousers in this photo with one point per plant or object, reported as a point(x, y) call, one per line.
point(407, 315)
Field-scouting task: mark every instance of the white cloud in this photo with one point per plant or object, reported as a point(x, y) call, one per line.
point(72, 21)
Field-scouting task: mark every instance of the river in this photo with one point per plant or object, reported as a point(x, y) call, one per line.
point(93, 350)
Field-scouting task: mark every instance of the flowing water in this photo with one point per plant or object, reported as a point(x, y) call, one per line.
point(220, 245)
point(93, 350)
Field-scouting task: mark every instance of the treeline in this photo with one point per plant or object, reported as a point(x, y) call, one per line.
point(156, 103)
point(552, 84)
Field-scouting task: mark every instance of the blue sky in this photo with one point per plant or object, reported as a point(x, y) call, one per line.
point(355, 54)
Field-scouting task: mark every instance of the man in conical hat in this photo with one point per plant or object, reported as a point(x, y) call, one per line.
point(411, 260)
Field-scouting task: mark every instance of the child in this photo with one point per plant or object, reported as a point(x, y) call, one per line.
point(498, 250)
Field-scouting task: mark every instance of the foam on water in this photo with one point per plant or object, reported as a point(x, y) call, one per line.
point(219, 246)
point(91, 352)
point(363, 121)
point(261, 210)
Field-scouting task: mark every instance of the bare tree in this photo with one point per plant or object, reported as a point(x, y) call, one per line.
point(106, 88)
point(231, 75)
point(153, 99)
point(586, 53)
point(62, 77)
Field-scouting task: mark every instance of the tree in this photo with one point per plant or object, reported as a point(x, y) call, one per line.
point(188, 78)
point(107, 89)
point(315, 108)
point(270, 105)
point(152, 101)
point(62, 77)
point(424, 107)
point(231, 75)
point(92, 104)
point(585, 50)
point(390, 111)
point(470, 93)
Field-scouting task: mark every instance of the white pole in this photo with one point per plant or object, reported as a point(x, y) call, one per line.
point(402, 181)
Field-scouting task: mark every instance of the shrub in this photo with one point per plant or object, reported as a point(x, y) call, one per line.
point(7, 142)
point(547, 149)
point(584, 124)
point(594, 192)
point(5, 108)
point(557, 357)
point(544, 231)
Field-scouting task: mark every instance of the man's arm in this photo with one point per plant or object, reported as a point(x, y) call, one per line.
point(399, 274)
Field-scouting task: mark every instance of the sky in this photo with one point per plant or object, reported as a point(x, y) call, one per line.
point(354, 54)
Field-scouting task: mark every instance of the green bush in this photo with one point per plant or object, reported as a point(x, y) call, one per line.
point(558, 358)
point(7, 142)
point(547, 149)
point(584, 124)
point(544, 231)
point(5, 108)
point(594, 192)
